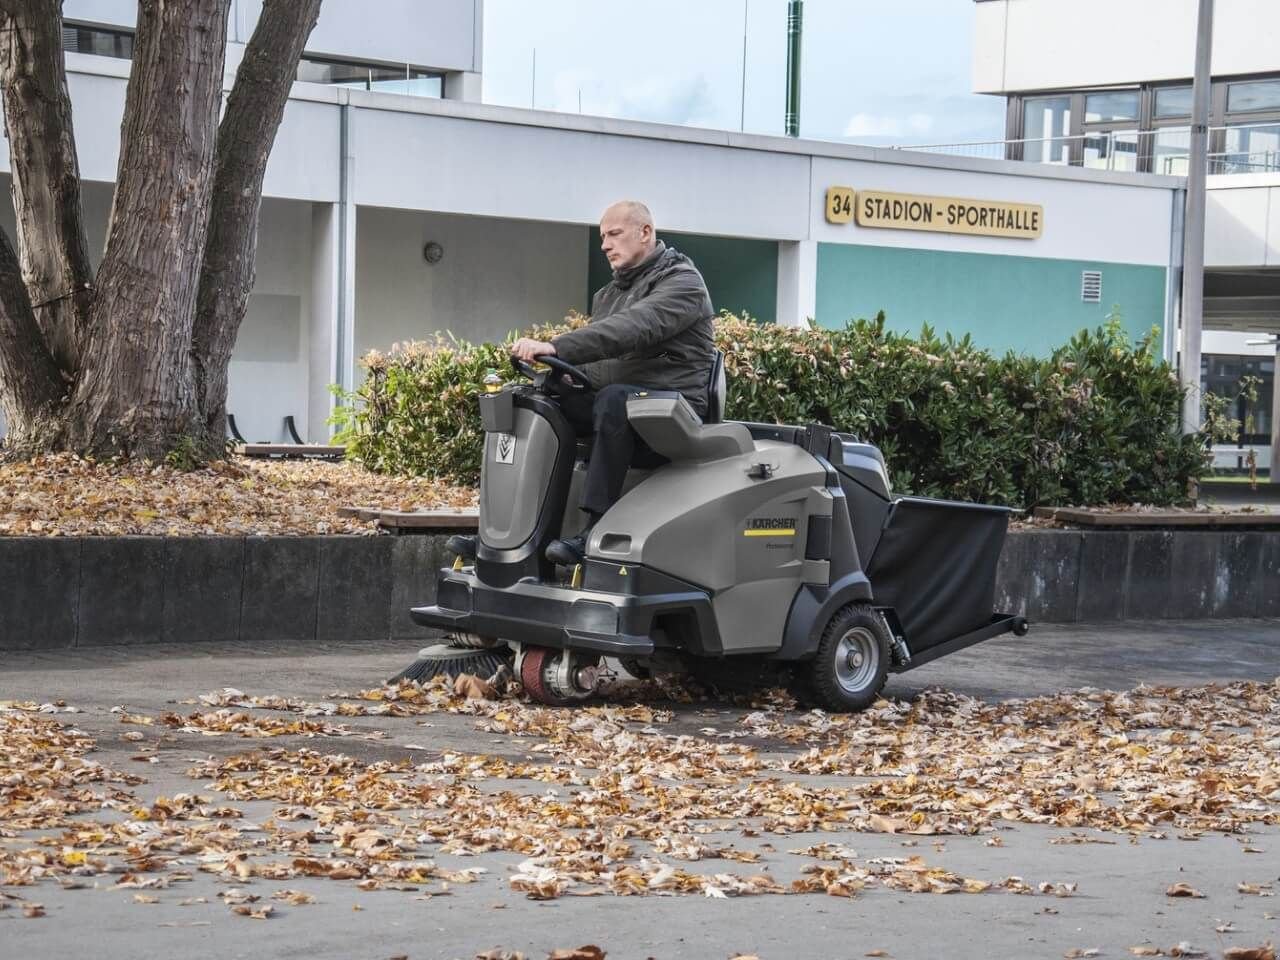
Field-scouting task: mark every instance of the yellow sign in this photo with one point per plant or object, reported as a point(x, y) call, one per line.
point(909, 211)
point(839, 204)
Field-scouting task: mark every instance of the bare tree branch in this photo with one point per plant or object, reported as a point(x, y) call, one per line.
point(136, 392)
point(254, 111)
point(52, 248)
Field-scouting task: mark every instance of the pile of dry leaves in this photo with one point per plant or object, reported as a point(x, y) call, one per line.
point(65, 495)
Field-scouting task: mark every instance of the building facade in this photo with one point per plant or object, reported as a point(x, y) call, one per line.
point(398, 206)
point(1106, 84)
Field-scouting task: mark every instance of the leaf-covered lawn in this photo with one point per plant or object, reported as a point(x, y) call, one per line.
point(64, 495)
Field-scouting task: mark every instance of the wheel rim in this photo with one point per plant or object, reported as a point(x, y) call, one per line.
point(857, 660)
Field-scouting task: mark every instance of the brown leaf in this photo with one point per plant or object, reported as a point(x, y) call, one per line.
point(1264, 952)
point(473, 688)
point(876, 953)
point(1075, 952)
point(1181, 889)
point(145, 898)
point(589, 952)
point(258, 913)
point(497, 953)
point(33, 910)
point(1145, 951)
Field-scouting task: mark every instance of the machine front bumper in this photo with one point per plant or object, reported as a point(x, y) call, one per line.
point(556, 615)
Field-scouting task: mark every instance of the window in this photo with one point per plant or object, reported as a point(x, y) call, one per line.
point(1112, 106)
point(78, 38)
point(366, 76)
point(1249, 148)
point(1046, 120)
point(1221, 374)
point(1253, 95)
point(1173, 102)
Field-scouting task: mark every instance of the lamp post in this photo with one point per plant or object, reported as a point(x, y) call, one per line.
point(795, 26)
point(1193, 249)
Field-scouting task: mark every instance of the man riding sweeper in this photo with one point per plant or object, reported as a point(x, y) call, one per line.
point(669, 539)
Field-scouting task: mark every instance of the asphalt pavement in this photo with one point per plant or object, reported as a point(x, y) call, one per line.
point(1119, 900)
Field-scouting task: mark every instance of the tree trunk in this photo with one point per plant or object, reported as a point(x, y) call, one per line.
point(52, 248)
point(254, 111)
point(33, 387)
point(136, 394)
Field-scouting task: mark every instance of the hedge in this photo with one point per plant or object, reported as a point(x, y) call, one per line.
point(1096, 422)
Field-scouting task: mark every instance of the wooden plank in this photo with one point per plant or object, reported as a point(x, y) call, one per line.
point(1157, 518)
point(360, 513)
point(448, 518)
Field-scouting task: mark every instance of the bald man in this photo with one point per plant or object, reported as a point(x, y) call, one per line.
point(650, 329)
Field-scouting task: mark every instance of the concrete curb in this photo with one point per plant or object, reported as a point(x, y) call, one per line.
point(94, 591)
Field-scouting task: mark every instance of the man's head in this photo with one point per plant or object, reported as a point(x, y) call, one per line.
point(626, 234)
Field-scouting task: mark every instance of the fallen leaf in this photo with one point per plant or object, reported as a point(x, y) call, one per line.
point(473, 688)
point(33, 910)
point(1076, 952)
point(589, 952)
point(145, 898)
point(1145, 951)
point(254, 913)
point(1183, 890)
point(1264, 952)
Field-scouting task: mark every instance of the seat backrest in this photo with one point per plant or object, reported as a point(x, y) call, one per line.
point(716, 386)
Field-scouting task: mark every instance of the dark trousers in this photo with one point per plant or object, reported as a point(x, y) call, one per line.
point(617, 446)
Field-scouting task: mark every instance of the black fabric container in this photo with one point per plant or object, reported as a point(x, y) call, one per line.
point(935, 564)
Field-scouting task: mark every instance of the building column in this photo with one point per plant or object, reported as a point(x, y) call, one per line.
point(463, 85)
point(797, 282)
point(323, 322)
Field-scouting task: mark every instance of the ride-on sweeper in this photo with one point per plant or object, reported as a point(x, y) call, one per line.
point(760, 553)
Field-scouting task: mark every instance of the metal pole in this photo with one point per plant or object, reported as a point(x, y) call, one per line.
point(1193, 255)
point(795, 26)
point(742, 120)
point(533, 78)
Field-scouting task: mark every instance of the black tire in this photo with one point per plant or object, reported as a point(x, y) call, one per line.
point(849, 670)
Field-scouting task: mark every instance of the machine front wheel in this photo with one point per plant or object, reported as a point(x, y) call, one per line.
point(852, 662)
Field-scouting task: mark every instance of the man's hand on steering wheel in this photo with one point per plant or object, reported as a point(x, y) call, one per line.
point(526, 348)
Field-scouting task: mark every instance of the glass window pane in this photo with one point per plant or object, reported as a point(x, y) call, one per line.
point(1169, 149)
point(1045, 122)
point(405, 80)
point(1112, 150)
point(1105, 107)
point(102, 43)
point(1173, 102)
point(1250, 148)
point(1253, 95)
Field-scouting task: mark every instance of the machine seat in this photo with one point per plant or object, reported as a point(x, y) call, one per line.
point(668, 424)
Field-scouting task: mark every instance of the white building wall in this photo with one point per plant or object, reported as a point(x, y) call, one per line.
point(441, 34)
point(1242, 221)
point(495, 276)
point(1046, 44)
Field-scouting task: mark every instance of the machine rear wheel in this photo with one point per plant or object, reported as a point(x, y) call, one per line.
point(852, 662)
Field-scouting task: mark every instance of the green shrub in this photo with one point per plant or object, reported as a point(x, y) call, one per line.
point(1096, 422)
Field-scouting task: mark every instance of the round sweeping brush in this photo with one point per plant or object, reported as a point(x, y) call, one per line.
point(450, 661)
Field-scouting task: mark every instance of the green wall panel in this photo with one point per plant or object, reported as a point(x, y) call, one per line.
point(741, 275)
point(1026, 304)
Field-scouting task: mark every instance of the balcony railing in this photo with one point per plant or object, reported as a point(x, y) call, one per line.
point(1243, 148)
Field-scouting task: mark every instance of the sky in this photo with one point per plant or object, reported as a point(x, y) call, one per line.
point(874, 71)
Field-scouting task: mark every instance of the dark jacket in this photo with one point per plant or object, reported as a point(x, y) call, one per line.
point(650, 326)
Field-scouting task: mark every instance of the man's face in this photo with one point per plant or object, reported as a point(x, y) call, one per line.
point(624, 242)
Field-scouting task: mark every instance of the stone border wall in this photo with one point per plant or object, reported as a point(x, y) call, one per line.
point(91, 591)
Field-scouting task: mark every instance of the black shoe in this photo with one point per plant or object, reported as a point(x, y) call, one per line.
point(568, 551)
point(462, 545)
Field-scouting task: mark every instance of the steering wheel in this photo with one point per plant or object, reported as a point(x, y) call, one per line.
point(579, 379)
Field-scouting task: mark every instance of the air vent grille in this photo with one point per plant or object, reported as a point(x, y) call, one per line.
point(1091, 286)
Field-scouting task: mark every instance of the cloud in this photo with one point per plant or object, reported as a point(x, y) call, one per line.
point(873, 125)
